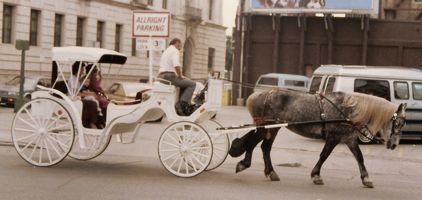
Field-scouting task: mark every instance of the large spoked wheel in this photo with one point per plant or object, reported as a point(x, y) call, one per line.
point(220, 144)
point(96, 144)
point(43, 132)
point(185, 149)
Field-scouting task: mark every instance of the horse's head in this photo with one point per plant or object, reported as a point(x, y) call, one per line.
point(393, 132)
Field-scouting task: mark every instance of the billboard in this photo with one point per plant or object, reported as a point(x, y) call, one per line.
point(317, 6)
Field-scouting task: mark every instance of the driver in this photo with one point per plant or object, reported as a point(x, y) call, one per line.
point(170, 70)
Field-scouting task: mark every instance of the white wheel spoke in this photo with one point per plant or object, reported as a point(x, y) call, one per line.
point(53, 122)
point(54, 147)
point(35, 147)
point(200, 148)
point(220, 149)
point(171, 144)
point(24, 130)
point(174, 162)
point(199, 161)
point(26, 137)
point(59, 128)
point(32, 118)
point(186, 166)
point(198, 142)
point(174, 139)
point(29, 143)
point(47, 150)
point(62, 134)
point(180, 165)
point(60, 142)
point(41, 147)
point(27, 123)
point(200, 154)
point(169, 150)
point(193, 164)
point(170, 156)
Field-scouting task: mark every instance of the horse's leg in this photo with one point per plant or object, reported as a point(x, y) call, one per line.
point(330, 143)
point(266, 150)
point(252, 139)
point(354, 148)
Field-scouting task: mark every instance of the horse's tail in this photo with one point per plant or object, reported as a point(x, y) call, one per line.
point(251, 101)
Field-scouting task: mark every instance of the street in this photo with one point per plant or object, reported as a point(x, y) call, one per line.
point(133, 171)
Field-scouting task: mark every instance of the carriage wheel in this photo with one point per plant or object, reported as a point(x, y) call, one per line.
point(220, 144)
point(185, 149)
point(43, 132)
point(95, 146)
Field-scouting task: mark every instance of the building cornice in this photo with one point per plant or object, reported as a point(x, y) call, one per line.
point(133, 5)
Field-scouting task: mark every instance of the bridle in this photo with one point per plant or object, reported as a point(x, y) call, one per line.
point(398, 123)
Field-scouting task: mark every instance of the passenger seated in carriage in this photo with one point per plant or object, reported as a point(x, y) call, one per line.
point(91, 111)
point(170, 69)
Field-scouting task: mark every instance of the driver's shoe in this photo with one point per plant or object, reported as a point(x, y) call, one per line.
point(179, 109)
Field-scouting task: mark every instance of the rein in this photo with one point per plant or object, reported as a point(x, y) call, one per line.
point(363, 130)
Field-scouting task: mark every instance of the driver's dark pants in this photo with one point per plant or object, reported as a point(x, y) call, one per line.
point(187, 87)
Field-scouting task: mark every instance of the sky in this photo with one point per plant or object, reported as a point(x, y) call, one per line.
point(229, 14)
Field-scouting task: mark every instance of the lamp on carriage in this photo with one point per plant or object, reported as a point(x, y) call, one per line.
point(22, 45)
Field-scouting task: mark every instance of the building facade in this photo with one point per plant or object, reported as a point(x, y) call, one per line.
point(407, 10)
point(108, 24)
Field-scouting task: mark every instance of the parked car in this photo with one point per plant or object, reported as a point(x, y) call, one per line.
point(395, 84)
point(125, 91)
point(276, 80)
point(9, 92)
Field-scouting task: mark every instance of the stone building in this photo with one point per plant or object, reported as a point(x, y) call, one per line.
point(407, 10)
point(108, 24)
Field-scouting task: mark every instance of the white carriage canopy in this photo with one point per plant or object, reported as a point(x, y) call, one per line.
point(64, 57)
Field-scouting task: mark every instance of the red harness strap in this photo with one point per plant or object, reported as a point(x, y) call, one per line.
point(259, 120)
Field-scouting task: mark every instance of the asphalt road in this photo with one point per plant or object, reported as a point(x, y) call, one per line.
point(133, 171)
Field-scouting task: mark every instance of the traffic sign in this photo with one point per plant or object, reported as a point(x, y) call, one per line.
point(151, 24)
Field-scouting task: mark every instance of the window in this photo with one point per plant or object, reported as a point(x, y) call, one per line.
point(150, 2)
point(100, 30)
point(58, 23)
point(294, 83)
point(379, 88)
point(164, 4)
point(133, 46)
point(79, 31)
point(211, 53)
point(117, 37)
point(210, 10)
point(330, 85)
point(268, 81)
point(33, 27)
point(417, 91)
point(401, 90)
point(316, 82)
point(7, 24)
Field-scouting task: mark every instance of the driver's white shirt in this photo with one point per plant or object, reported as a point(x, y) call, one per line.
point(170, 59)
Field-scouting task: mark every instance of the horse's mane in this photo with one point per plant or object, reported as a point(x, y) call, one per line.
point(369, 110)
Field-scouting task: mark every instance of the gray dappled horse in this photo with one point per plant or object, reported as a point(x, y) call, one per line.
point(365, 112)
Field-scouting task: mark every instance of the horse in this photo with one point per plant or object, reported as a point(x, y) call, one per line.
point(355, 114)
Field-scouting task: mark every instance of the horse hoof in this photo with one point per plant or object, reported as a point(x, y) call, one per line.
point(273, 176)
point(240, 167)
point(317, 180)
point(367, 183)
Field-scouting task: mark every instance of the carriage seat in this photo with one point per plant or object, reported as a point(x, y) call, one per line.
point(161, 87)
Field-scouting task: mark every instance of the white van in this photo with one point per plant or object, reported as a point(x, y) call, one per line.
point(276, 80)
point(396, 84)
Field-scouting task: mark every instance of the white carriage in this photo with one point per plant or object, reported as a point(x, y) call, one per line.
point(49, 127)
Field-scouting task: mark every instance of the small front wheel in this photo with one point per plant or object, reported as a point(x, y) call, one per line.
point(185, 149)
point(43, 132)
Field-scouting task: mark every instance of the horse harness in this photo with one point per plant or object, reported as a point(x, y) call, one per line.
point(362, 129)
